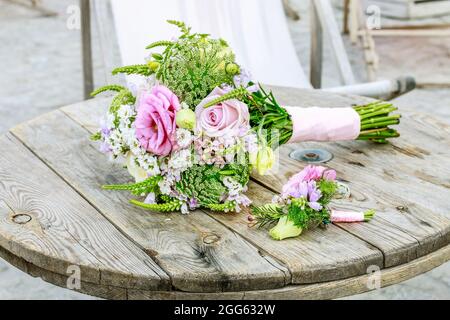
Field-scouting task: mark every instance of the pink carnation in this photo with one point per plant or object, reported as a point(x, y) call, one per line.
point(309, 173)
point(155, 120)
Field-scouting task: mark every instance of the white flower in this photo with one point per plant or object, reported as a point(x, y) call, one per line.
point(184, 208)
point(135, 170)
point(149, 163)
point(251, 143)
point(234, 187)
point(184, 138)
point(110, 119)
point(116, 142)
point(125, 113)
point(180, 160)
point(165, 186)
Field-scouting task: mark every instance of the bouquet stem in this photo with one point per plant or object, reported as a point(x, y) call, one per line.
point(375, 121)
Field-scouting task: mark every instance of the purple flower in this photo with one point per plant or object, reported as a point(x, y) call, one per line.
point(329, 175)
point(105, 147)
point(104, 130)
point(193, 203)
point(150, 199)
point(308, 174)
point(315, 206)
point(314, 194)
point(243, 79)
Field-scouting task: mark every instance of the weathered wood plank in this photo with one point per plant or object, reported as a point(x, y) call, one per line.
point(326, 290)
point(342, 288)
point(314, 257)
point(198, 253)
point(45, 222)
point(96, 290)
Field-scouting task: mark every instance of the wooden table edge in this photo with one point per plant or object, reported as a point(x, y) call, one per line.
point(326, 290)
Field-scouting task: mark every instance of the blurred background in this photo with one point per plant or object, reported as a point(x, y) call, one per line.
point(41, 54)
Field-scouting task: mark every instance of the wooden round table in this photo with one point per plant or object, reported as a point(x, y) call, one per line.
point(57, 223)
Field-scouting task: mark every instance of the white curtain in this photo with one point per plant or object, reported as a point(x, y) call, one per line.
point(256, 30)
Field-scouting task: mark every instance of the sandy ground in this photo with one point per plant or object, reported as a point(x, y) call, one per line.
point(42, 71)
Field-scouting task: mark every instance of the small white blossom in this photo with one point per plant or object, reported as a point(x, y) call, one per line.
point(165, 186)
point(184, 208)
point(180, 160)
point(184, 138)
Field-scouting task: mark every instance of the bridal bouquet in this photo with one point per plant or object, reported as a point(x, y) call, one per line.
point(303, 204)
point(192, 133)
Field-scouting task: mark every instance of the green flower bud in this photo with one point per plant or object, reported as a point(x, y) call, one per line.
point(285, 229)
point(232, 69)
point(153, 65)
point(263, 159)
point(186, 119)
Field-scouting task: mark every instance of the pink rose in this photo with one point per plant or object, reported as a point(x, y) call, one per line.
point(230, 117)
point(155, 120)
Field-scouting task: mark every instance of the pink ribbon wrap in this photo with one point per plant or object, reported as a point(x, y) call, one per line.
point(346, 216)
point(324, 124)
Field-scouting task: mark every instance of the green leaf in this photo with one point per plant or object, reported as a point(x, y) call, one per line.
point(96, 136)
point(174, 205)
point(162, 43)
point(111, 87)
point(139, 69)
point(267, 214)
point(140, 188)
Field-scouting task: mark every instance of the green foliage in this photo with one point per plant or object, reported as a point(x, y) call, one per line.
point(237, 93)
point(96, 136)
point(140, 188)
point(194, 65)
point(266, 114)
point(222, 207)
point(162, 43)
point(204, 182)
point(267, 214)
point(181, 25)
point(305, 217)
point(141, 69)
point(171, 206)
point(369, 214)
point(239, 172)
point(123, 97)
point(328, 189)
point(111, 87)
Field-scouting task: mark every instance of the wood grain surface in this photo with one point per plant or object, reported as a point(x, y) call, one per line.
point(57, 228)
point(53, 213)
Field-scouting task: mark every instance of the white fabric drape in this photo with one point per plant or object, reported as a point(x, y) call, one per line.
point(256, 30)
